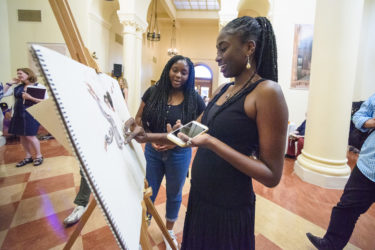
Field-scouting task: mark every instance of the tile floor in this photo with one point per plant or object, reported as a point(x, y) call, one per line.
point(35, 200)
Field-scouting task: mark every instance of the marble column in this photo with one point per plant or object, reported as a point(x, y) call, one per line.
point(334, 58)
point(138, 88)
point(133, 27)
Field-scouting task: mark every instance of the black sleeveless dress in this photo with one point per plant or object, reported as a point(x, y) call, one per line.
point(221, 207)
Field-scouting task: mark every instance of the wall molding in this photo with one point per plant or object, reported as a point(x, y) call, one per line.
point(98, 19)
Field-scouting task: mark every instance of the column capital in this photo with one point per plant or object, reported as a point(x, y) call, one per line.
point(132, 23)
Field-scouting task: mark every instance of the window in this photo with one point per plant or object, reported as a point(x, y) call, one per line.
point(202, 71)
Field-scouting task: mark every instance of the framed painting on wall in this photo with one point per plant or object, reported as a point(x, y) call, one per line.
point(302, 51)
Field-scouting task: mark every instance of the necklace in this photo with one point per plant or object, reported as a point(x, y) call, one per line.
point(230, 94)
point(233, 92)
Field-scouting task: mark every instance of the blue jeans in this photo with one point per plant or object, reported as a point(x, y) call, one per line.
point(174, 164)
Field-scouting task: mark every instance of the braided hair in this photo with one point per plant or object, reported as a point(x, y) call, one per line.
point(259, 30)
point(154, 111)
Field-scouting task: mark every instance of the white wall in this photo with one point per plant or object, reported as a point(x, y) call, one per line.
point(150, 61)
point(5, 58)
point(103, 24)
point(46, 31)
point(5, 69)
point(115, 49)
point(91, 16)
point(198, 42)
point(21, 33)
point(365, 76)
point(98, 42)
point(17, 35)
point(287, 13)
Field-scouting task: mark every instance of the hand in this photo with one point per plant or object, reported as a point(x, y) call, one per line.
point(177, 125)
point(156, 146)
point(15, 80)
point(202, 140)
point(160, 148)
point(369, 123)
point(134, 131)
point(169, 130)
point(26, 96)
point(294, 136)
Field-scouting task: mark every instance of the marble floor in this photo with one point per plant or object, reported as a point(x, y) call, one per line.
point(35, 200)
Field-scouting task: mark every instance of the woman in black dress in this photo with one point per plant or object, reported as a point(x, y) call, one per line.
point(22, 123)
point(247, 122)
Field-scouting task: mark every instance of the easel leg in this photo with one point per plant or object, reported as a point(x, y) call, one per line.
point(144, 240)
point(80, 225)
point(151, 209)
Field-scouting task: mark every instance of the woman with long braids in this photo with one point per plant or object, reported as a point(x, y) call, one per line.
point(247, 122)
point(172, 99)
point(221, 208)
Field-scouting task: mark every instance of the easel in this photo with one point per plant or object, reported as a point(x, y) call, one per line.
point(81, 54)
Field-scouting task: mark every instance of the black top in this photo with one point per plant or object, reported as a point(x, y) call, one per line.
point(173, 112)
point(215, 179)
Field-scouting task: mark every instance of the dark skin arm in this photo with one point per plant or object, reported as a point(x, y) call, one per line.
point(138, 116)
point(157, 139)
point(267, 106)
point(131, 130)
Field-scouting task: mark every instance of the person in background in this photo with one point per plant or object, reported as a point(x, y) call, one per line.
point(247, 117)
point(359, 191)
point(1, 90)
point(7, 114)
point(206, 100)
point(296, 137)
point(124, 88)
point(22, 123)
point(172, 99)
point(81, 201)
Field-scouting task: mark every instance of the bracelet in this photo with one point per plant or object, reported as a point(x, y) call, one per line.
point(8, 84)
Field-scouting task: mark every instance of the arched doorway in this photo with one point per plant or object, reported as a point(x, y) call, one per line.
point(203, 80)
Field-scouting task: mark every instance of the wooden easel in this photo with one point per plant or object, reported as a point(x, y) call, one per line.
point(81, 54)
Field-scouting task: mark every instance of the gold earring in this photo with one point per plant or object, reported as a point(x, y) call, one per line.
point(248, 65)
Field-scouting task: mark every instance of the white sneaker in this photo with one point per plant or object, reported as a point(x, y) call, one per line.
point(173, 236)
point(75, 215)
